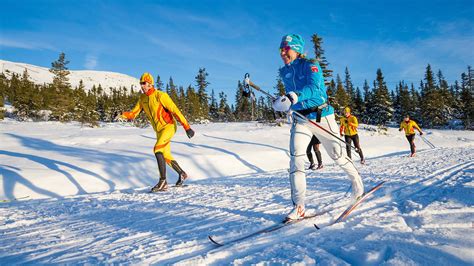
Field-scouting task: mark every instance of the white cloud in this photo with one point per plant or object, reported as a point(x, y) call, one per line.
point(91, 62)
point(28, 45)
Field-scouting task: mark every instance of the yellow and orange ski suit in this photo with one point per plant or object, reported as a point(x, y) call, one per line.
point(162, 113)
point(409, 127)
point(348, 125)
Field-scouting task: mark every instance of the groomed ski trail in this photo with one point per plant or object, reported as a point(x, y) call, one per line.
point(421, 210)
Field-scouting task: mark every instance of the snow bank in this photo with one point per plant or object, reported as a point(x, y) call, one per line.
point(51, 159)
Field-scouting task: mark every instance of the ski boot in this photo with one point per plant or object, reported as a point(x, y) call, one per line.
point(296, 214)
point(320, 166)
point(161, 186)
point(356, 196)
point(312, 166)
point(183, 176)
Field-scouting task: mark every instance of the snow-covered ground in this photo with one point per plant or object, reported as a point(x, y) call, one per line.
point(41, 75)
point(88, 202)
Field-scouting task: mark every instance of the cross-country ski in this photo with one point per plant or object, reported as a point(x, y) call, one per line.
point(265, 230)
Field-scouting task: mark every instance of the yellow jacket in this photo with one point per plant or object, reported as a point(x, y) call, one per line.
point(409, 127)
point(159, 109)
point(348, 125)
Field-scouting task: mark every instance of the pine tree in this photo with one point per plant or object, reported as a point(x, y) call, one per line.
point(60, 70)
point(407, 106)
point(213, 107)
point(415, 97)
point(358, 105)
point(447, 99)
point(342, 99)
point(330, 90)
point(280, 87)
point(13, 88)
point(349, 87)
point(368, 103)
point(201, 82)
point(100, 104)
point(382, 108)
point(62, 104)
point(402, 103)
point(319, 54)
point(3, 94)
point(22, 101)
point(181, 102)
point(193, 105)
point(280, 90)
point(224, 111)
point(159, 84)
point(242, 104)
point(270, 114)
point(397, 113)
point(116, 102)
point(172, 91)
point(455, 91)
point(84, 110)
point(466, 98)
point(432, 107)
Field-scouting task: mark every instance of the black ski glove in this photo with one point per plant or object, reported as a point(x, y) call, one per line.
point(190, 133)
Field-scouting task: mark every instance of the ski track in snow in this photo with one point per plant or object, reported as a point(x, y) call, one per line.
point(423, 214)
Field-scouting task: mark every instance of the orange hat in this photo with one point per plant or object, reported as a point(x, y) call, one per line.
point(147, 77)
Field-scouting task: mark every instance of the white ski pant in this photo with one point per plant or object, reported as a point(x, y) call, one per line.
point(301, 133)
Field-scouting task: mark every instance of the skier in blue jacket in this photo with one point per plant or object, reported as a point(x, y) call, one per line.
point(306, 93)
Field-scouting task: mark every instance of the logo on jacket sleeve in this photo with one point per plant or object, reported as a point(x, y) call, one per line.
point(314, 69)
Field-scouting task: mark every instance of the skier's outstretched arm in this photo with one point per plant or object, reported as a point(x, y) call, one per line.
point(134, 113)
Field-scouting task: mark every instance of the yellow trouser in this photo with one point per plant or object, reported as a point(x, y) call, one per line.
point(163, 142)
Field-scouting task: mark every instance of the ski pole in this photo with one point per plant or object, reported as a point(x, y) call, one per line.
point(247, 81)
point(428, 142)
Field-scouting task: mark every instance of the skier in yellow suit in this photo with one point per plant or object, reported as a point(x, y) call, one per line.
point(162, 113)
point(348, 127)
point(409, 127)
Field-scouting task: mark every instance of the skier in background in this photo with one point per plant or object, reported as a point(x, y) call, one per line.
point(162, 113)
point(314, 145)
point(348, 128)
point(409, 126)
point(306, 93)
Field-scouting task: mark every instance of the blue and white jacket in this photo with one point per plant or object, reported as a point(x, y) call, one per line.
point(305, 78)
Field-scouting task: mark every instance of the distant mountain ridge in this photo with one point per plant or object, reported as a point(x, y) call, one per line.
point(40, 75)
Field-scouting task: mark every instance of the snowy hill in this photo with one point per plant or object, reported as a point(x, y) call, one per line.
point(88, 202)
point(40, 75)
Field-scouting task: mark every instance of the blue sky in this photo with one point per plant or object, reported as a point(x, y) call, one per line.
point(230, 38)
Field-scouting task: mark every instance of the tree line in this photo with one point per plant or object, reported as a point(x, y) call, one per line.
point(433, 102)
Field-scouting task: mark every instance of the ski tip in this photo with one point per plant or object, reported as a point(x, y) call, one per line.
point(317, 227)
point(214, 242)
